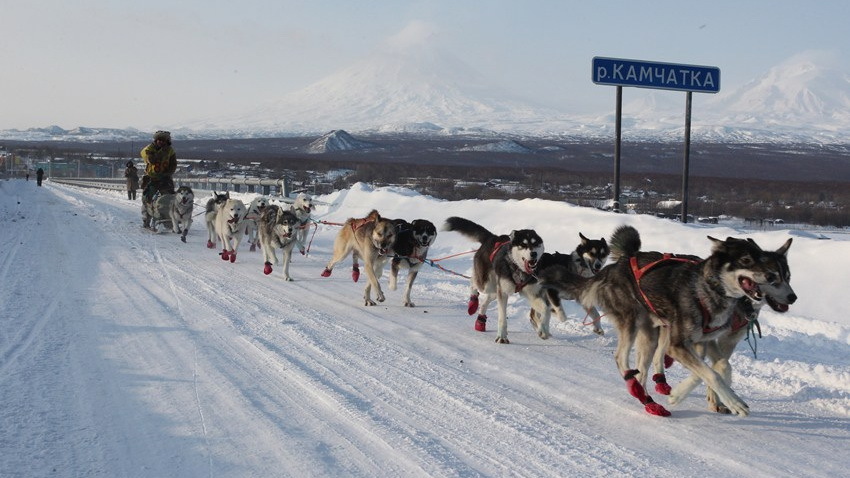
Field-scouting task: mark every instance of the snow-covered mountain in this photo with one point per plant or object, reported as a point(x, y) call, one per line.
point(338, 140)
point(806, 97)
point(397, 89)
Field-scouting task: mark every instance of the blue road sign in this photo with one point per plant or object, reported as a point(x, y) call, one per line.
point(664, 76)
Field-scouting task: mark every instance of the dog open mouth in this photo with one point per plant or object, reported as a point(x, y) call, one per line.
point(751, 288)
point(776, 305)
point(530, 266)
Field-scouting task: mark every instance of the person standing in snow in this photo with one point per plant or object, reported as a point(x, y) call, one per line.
point(132, 175)
point(160, 165)
point(39, 175)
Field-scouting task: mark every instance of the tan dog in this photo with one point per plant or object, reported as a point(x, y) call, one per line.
point(370, 238)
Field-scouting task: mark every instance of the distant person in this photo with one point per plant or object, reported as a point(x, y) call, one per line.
point(39, 175)
point(132, 175)
point(160, 164)
point(28, 174)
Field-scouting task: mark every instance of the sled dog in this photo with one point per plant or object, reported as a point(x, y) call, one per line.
point(502, 266)
point(302, 207)
point(778, 295)
point(277, 227)
point(370, 238)
point(255, 208)
point(213, 204)
point(181, 211)
point(411, 249)
point(667, 302)
point(230, 227)
point(586, 260)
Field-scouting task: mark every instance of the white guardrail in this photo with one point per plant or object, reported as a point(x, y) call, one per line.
point(267, 187)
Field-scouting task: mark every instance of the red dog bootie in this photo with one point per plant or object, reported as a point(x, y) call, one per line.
point(326, 272)
point(481, 323)
point(472, 305)
point(668, 361)
point(661, 385)
point(636, 390)
point(210, 244)
point(268, 268)
point(355, 273)
point(225, 255)
point(233, 257)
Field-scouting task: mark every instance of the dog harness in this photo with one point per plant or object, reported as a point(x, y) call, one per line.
point(524, 279)
point(358, 223)
point(737, 321)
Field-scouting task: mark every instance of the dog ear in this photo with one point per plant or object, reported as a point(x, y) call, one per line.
point(583, 239)
point(784, 248)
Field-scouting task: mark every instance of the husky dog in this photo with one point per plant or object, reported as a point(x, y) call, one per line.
point(778, 294)
point(411, 249)
point(181, 211)
point(678, 301)
point(277, 231)
point(230, 227)
point(586, 260)
point(503, 265)
point(302, 207)
point(213, 205)
point(370, 238)
point(255, 208)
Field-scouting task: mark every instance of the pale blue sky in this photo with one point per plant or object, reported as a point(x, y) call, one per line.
point(130, 63)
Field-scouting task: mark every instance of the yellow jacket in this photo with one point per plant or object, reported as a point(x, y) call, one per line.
point(159, 162)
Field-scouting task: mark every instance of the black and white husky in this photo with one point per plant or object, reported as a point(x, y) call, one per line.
point(502, 266)
point(181, 211)
point(586, 260)
point(778, 295)
point(665, 302)
point(410, 250)
point(277, 227)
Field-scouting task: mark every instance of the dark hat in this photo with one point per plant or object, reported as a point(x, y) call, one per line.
point(163, 135)
point(130, 163)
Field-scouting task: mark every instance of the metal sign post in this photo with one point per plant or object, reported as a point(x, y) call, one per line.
point(655, 75)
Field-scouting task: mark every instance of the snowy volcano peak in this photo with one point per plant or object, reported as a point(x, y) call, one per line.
point(808, 87)
point(406, 82)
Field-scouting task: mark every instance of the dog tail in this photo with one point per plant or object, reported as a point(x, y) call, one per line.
point(467, 228)
point(625, 242)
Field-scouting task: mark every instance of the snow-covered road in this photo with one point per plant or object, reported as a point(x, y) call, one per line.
point(126, 353)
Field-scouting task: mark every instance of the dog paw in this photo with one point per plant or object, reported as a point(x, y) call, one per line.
point(381, 298)
point(598, 331)
point(409, 304)
point(326, 272)
point(225, 255)
point(267, 269)
point(287, 279)
point(502, 340)
point(369, 302)
point(481, 323)
point(210, 245)
point(233, 257)
point(543, 335)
